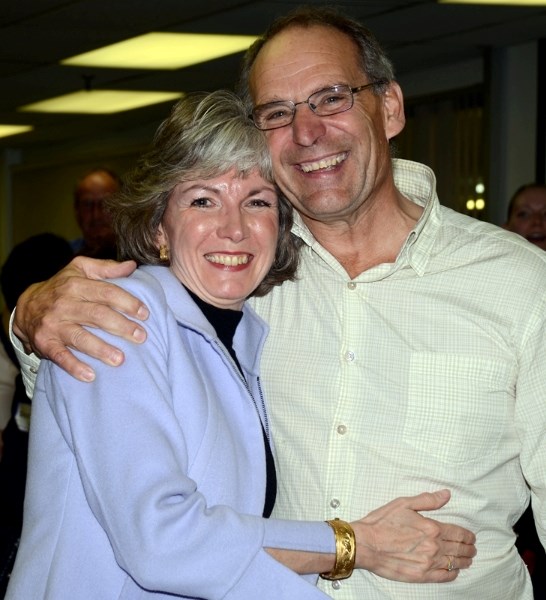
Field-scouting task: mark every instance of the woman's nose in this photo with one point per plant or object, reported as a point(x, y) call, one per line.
point(233, 226)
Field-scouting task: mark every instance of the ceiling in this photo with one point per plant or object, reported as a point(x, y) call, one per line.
point(36, 34)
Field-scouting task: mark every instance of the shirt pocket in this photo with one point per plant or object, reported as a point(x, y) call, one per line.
point(457, 405)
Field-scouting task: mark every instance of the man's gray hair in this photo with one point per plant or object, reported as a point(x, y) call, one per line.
point(374, 61)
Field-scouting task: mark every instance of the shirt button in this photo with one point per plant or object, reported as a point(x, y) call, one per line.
point(351, 285)
point(341, 429)
point(334, 503)
point(336, 585)
point(349, 356)
point(33, 370)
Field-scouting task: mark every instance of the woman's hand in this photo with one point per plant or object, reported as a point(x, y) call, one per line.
point(396, 542)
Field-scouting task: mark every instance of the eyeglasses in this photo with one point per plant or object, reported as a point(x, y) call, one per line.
point(326, 102)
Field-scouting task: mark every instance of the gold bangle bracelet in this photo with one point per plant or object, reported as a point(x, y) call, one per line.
point(345, 551)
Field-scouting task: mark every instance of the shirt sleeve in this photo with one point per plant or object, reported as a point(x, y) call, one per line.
point(29, 362)
point(530, 414)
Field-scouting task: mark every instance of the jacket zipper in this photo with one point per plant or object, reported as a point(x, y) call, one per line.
point(245, 383)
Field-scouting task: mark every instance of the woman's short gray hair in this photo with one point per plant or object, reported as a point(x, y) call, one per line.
point(205, 136)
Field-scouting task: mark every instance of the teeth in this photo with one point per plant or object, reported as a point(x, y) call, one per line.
point(323, 164)
point(229, 260)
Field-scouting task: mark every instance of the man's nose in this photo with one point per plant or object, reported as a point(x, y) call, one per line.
point(307, 127)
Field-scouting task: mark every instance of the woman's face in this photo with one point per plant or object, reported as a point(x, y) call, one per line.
point(221, 234)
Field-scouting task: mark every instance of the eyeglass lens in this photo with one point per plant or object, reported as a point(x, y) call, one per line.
point(325, 102)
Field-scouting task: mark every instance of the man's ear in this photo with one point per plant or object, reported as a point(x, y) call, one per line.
point(393, 110)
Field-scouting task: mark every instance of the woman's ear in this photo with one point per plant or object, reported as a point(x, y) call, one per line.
point(393, 110)
point(161, 238)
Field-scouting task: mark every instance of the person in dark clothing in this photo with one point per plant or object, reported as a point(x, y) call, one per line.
point(33, 260)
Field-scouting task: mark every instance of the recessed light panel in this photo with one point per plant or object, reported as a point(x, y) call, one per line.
point(7, 130)
point(162, 51)
point(99, 101)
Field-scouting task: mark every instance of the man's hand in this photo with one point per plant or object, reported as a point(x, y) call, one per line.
point(49, 315)
point(396, 542)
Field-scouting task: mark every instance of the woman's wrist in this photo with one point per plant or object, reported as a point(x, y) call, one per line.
point(345, 550)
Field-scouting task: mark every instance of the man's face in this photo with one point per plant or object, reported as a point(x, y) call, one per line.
point(328, 167)
point(91, 215)
point(528, 216)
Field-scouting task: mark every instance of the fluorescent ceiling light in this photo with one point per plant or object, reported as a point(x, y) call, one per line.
point(497, 2)
point(99, 101)
point(7, 130)
point(162, 51)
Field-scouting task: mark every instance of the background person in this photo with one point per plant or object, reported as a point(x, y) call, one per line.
point(92, 191)
point(527, 213)
point(34, 259)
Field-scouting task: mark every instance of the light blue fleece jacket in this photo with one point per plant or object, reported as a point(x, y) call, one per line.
point(150, 481)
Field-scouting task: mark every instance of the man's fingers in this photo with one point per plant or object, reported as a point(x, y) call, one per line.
point(93, 268)
point(83, 340)
point(50, 315)
point(62, 357)
point(101, 316)
point(82, 294)
point(112, 296)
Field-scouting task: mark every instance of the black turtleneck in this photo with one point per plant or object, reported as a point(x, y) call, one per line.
point(225, 322)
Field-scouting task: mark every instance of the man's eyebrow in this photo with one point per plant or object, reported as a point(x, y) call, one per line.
point(320, 88)
point(275, 99)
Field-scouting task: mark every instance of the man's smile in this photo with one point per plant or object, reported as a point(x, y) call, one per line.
point(323, 163)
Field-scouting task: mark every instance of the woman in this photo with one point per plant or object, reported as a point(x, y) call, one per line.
point(155, 480)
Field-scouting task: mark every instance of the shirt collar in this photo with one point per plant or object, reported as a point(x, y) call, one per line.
point(418, 183)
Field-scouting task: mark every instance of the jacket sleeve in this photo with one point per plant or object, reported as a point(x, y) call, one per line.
point(133, 465)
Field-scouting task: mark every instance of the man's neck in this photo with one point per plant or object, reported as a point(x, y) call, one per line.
point(375, 238)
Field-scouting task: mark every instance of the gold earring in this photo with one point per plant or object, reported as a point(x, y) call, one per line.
point(163, 253)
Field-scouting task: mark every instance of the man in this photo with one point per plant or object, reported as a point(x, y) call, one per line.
point(98, 239)
point(527, 213)
point(394, 360)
